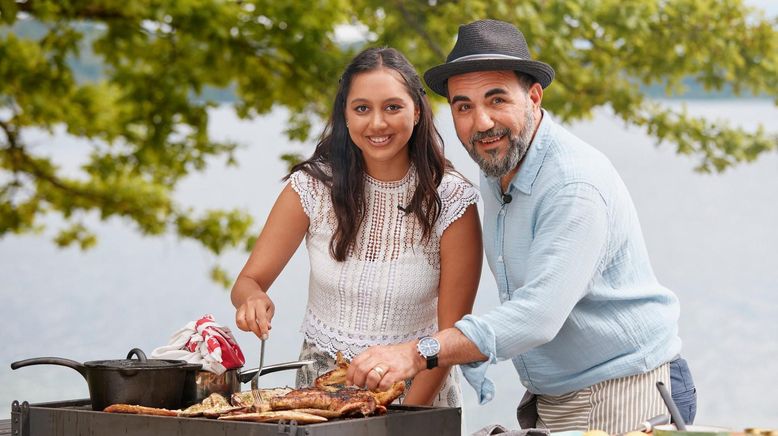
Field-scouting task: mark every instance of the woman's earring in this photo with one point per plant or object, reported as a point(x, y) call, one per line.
point(416, 122)
point(347, 124)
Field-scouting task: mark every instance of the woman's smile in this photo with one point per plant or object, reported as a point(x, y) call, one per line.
point(379, 140)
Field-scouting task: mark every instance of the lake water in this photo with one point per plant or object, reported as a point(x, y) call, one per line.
point(713, 239)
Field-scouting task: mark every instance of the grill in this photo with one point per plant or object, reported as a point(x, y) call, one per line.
point(76, 417)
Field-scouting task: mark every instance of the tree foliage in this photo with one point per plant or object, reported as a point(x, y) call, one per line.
point(144, 111)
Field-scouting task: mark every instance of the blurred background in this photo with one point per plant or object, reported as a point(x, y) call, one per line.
point(129, 189)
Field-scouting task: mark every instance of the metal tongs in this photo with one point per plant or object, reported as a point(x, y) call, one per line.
point(255, 392)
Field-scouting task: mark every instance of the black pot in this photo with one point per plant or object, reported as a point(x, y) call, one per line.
point(142, 381)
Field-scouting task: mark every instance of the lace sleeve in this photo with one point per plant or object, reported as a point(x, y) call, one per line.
point(456, 194)
point(308, 188)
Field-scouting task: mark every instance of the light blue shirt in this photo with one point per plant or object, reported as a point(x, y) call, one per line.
point(579, 301)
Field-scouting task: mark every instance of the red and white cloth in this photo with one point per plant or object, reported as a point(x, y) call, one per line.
point(205, 342)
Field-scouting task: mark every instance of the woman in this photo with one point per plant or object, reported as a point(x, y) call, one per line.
point(392, 231)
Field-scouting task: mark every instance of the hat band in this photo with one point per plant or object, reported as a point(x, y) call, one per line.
point(486, 56)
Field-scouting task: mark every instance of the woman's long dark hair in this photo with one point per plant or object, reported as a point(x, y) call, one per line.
point(336, 151)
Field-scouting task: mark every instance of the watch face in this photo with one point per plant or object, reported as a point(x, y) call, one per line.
point(429, 346)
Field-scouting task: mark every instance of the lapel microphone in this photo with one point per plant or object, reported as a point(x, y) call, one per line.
point(399, 207)
point(506, 198)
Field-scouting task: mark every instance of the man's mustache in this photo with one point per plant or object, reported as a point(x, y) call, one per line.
point(491, 133)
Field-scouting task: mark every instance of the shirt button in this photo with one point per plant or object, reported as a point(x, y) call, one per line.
point(525, 383)
point(488, 396)
point(502, 211)
point(499, 259)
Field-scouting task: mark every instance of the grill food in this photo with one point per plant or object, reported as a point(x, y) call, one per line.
point(346, 401)
point(213, 406)
point(287, 415)
point(139, 410)
point(330, 398)
point(333, 380)
point(246, 398)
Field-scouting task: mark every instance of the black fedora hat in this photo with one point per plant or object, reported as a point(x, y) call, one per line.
point(488, 45)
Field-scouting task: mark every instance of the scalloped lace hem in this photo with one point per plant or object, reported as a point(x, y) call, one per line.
point(460, 212)
point(301, 193)
point(458, 207)
point(331, 340)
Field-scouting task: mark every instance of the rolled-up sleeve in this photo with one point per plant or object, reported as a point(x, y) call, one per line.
point(482, 335)
point(568, 245)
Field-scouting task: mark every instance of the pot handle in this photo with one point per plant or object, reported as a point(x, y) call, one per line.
point(137, 352)
point(51, 361)
point(247, 375)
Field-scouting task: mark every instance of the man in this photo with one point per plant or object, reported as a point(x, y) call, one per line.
point(588, 327)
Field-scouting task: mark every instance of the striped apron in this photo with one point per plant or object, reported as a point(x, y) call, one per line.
point(615, 406)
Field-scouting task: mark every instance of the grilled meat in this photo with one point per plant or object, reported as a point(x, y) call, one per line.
point(385, 398)
point(302, 398)
point(330, 398)
point(246, 398)
point(331, 393)
point(346, 401)
point(335, 379)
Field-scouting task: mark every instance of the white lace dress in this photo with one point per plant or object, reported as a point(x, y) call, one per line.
point(386, 291)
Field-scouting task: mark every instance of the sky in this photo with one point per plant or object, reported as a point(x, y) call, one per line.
point(769, 6)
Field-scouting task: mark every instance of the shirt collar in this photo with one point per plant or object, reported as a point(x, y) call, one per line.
point(533, 160)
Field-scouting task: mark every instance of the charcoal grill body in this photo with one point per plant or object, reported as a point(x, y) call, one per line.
point(76, 418)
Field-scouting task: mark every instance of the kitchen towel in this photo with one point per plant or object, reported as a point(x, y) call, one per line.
point(206, 342)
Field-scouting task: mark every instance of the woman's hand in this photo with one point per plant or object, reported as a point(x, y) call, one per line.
point(281, 235)
point(255, 314)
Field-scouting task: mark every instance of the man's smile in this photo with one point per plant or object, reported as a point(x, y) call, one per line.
point(490, 143)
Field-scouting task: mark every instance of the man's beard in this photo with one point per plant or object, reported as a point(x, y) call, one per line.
point(494, 166)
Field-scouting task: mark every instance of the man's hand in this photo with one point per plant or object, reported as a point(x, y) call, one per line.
point(381, 366)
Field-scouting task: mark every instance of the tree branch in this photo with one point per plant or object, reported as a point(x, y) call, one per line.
point(414, 23)
point(21, 162)
point(9, 133)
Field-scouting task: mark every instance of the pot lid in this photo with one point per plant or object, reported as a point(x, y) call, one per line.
point(140, 363)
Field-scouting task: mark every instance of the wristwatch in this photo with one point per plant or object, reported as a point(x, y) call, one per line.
point(429, 347)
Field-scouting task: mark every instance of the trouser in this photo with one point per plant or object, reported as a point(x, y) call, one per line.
point(681, 386)
point(683, 390)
